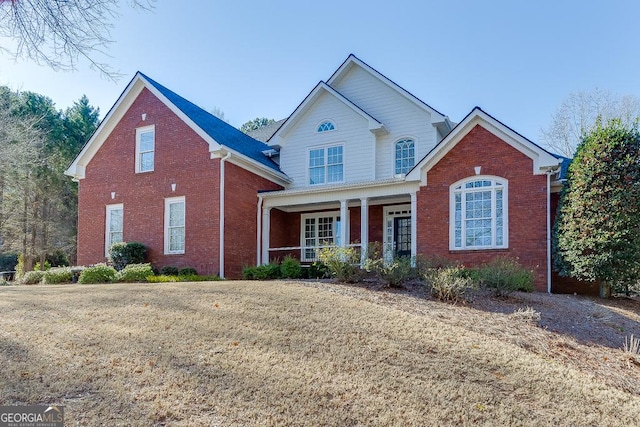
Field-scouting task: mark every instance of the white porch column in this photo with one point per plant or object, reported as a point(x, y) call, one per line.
point(344, 220)
point(414, 224)
point(364, 228)
point(266, 228)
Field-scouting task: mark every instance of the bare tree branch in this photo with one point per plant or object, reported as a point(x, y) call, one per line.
point(59, 32)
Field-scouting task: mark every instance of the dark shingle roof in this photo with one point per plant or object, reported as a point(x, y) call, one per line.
point(222, 132)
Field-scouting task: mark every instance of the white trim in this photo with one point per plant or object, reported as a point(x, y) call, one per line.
point(389, 213)
point(505, 211)
point(221, 215)
point(326, 148)
point(167, 202)
point(333, 123)
point(352, 60)
point(138, 159)
point(107, 225)
point(375, 126)
point(393, 149)
point(542, 160)
point(336, 236)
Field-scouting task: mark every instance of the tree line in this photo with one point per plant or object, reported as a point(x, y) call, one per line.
point(38, 203)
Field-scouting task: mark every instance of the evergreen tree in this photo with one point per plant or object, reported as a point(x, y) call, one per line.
point(598, 226)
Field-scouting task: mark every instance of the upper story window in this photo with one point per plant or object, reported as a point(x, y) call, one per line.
point(326, 126)
point(405, 155)
point(174, 225)
point(326, 165)
point(114, 226)
point(479, 213)
point(145, 148)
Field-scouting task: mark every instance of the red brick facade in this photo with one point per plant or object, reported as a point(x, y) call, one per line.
point(527, 201)
point(182, 158)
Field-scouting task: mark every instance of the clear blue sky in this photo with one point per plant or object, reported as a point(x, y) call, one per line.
point(517, 60)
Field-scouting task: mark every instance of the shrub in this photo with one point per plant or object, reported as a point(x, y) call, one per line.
point(4, 283)
point(135, 273)
point(20, 267)
point(262, 272)
point(395, 273)
point(57, 275)
point(47, 266)
point(32, 277)
point(122, 254)
point(317, 270)
point(99, 273)
point(163, 278)
point(8, 261)
point(505, 275)
point(449, 284)
point(187, 271)
point(169, 270)
point(290, 268)
point(343, 263)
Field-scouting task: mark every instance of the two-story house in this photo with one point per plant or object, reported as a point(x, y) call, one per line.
point(359, 160)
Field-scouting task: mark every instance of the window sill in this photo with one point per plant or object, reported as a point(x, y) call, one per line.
point(470, 251)
point(174, 253)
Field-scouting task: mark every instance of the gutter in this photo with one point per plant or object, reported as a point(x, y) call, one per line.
point(259, 228)
point(221, 248)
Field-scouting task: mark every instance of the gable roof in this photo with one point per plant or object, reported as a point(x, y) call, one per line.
point(353, 60)
point(543, 160)
point(217, 133)
point(374, 124)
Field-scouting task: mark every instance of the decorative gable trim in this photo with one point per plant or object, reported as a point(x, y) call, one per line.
point(352, 60)
point(375, 126)
point(543, 161)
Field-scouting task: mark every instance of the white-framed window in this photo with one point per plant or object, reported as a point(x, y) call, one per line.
point(145, 148)
point(479, 213)
point(326, 165)
point(114, 220)
point(174, 225)
point(318, 230)
point(325, 126)
point(405, 156)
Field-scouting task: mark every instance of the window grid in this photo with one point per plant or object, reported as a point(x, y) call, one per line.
point(319, 231)
point(405, 156)
point(175, 226)
point(326, 165)
point(114, 226)
point(326, 126)
point(146, 150)
point(478, 214)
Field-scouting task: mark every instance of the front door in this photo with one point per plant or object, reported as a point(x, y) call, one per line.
point(402, 236)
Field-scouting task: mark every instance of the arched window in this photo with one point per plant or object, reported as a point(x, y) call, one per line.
point(326, 126)
point(405, 155)
point(479, 213)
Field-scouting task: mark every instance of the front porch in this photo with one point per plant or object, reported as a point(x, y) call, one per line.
point(299, 222)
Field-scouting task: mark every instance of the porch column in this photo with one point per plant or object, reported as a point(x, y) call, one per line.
point(364, 229)
point(266, 228)
point(344, 219)
point(414, 225)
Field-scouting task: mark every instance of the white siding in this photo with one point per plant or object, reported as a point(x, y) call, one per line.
point(401, 117)
point(351, 131)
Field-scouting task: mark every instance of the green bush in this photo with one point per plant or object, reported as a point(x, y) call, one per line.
point(163, 278)
point(4, 283)
point(449, 283)
point(169, 270)
point(290, 268)
point(134, 273)
point(8, 261)
point(47, 266)
point(343, 263)
point(317, 270)
point(122, 254)
point(504, 275)
point(57, 275)
point(262, 272)
point(99, 273)
point(187, 271)
point(32, 277)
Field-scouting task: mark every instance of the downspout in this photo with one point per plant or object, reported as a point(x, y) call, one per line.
point(549, 232)
point(259, 228)
point(221, 249)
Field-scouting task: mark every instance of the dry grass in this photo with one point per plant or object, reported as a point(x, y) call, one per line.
point(279, 353)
